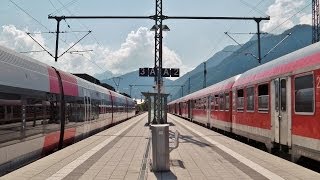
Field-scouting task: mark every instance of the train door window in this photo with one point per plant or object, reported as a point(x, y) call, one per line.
point(240, 102)
point(263, 97)
point(227, 102)
point(203, 102)
point(304, 94)
point(276, 84)
point(216, 102)
point(234, 100)
point(221, 102)
point(283, 95)
point(212, 102)
point(250, 99)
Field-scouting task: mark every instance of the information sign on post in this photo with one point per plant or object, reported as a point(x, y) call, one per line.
point(152, 72)
point(175, 72)
point(144, 72)
point(165, 72)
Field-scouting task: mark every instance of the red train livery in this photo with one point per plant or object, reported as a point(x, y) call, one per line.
point(277, 103)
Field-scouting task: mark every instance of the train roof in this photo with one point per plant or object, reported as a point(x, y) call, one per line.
point(215, 88)
point(13, 58)
point(300, 60)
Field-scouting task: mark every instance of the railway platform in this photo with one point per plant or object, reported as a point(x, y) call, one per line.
point(123, 152)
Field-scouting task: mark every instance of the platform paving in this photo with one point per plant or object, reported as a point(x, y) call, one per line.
point(123, 152)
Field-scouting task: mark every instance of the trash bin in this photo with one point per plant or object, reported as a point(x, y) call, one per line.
point(160, 147)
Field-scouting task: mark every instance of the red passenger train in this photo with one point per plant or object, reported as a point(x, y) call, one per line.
point(277, 103)
point(42, 108)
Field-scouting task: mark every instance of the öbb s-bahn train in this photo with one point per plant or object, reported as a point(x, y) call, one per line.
point(42, 108)
point(277, 103)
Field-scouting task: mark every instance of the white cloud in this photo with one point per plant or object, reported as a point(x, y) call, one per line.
point(280, 11)
point(305, 19)
point(18, 40)
point(137, 51)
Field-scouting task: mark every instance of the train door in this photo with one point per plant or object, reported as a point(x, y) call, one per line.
point(189, 108)
point(87, 110)
point(281, 111)
point(208, 110)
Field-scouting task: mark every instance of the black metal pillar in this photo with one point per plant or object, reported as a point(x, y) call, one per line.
point(315, 21)
point(181, 91)
point(204, 74)
point(158, 62)
point(130, 89)
point(259, 42)
point(189, 86)
point(57, 39)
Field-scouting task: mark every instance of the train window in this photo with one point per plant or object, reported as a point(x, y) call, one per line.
point(221, 102)
point(16, 112)
point(304, 94)
point(227, 102)
point(34, 117)
point(240, 102)
point(283, 95)
point(250, 99)
point(263, 97)
point(1, 112)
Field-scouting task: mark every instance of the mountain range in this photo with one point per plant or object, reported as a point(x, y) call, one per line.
point(230, 61)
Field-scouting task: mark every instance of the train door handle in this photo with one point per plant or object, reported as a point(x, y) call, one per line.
point(279, 117)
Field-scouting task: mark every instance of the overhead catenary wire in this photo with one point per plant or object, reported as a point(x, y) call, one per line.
point(19, 7)
point(83, 25)
point(64, 6)
point(223, 38)
point(45, 27)
point(254, 8)
point(278, 26)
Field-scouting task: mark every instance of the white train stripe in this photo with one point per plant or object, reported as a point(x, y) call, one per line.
point(263, 171)
point(64, 171)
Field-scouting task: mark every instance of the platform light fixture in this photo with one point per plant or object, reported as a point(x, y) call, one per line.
point(156, 27)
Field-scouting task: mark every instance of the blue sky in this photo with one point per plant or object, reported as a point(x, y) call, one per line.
point(124, 45)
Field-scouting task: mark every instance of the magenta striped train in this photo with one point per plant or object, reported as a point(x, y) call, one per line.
point(31, 123)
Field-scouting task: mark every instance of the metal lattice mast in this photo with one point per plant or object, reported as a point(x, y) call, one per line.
point(158, 60)
point(315, 21)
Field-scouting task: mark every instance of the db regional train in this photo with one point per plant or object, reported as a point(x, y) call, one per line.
point(277, 103)
point(43, 108)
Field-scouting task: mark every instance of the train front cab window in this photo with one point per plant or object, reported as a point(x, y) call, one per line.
point(240, 100)
point(263, 97)
point(250, 99)
point(304, 94)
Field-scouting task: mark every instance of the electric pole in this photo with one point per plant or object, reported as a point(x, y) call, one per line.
point(204, 74)
point(315, 21)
